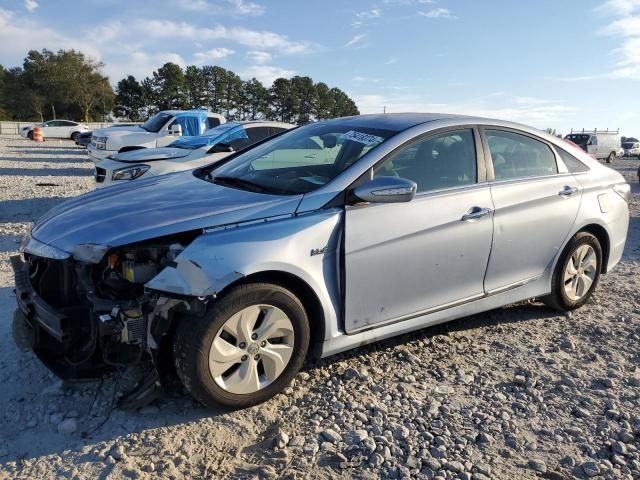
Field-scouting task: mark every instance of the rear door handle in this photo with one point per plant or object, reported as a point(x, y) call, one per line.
point(475, 213)
point(567, 191)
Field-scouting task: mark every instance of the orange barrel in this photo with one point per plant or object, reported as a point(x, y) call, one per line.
point(37, 135)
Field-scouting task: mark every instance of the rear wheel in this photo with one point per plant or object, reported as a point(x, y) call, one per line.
point(245, 349)
point(30, 135)
point(611, 157)
point(74, 135)
point(577, 273)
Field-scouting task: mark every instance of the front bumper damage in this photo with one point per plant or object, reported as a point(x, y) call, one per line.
point(80, 336)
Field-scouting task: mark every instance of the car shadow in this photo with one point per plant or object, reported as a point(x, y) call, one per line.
point(46, 172)
point(27, 209)
point(52, 160)
point(48, 148)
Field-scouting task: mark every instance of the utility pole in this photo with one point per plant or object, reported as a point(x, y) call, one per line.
point(384, 109)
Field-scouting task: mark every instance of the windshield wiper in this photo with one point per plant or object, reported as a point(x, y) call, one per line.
point(239, 182)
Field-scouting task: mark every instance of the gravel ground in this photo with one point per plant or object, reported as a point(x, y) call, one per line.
point(518, 392)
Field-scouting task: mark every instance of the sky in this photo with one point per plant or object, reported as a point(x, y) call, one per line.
point(548, 63)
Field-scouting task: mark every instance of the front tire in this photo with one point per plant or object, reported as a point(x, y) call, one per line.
point(30, 135)
point(74, 135)
point(245, 349)
point(577, 273)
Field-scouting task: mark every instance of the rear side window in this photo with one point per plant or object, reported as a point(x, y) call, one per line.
point(212, 122)
point(257, 134)
point(573, 164)
point(519, 156)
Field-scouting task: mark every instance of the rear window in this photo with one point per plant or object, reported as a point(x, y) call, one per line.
point(573, 164)
point(579, 139)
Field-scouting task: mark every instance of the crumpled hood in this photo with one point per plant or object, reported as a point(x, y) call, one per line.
point(147, 209)
point(152, 154)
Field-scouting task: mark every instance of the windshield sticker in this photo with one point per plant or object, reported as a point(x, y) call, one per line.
point(362, 137)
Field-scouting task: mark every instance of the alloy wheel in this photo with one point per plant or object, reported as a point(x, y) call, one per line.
point(580, 272)
point(251, 349)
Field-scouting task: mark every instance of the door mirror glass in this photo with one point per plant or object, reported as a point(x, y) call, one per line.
point(221, 148)
point(386, 190)
point(175, 129)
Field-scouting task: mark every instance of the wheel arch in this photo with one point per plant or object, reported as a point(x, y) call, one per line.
point(299, 287)
point(602, 235)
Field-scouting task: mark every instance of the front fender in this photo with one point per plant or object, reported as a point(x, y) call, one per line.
point(306, 246)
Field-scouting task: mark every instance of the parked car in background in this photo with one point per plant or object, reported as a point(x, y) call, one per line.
point(55, 129)
point(601, 144)
point(631, 149)
point(83, 139)
point(233, 273)
point(159, 131)
point(186, 152)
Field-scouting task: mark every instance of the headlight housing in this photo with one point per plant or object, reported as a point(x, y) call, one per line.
point(129, 173)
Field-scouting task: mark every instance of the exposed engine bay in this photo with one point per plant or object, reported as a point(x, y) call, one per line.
point(96, 318)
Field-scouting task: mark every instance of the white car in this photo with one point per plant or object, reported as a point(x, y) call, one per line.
point(159, 131)
point(55, 129)
point(185, 153)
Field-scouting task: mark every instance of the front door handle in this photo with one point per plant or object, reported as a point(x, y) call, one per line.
point(475, 213)
point(567, 191)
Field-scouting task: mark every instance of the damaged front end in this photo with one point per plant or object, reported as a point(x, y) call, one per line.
point(89, 313)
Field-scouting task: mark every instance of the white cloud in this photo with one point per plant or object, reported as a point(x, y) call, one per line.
point(369, 14)
point(30, 5)
point(211, 55)
point(355, 40)
point(266, 73)
point(625, 25)
point(140, 64)
point(438, 13)
point(259, 57)
point(223, 7)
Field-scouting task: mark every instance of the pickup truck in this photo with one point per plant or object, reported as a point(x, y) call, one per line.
point(159, 131)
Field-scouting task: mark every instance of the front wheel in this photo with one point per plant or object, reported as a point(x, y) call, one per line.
point(611, 157)
point(576, 274)
point(30, 135)
point(245, 349)
point(74, 135)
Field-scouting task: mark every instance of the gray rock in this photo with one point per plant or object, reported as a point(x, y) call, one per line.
point(619, 447)
point(351, 373)
point(67, 426)
point(330, 435)
point(590, 469)
point(355, 436)
point(581, 412)
point(520, 380)
point(376, 460)
point(281, 440)
point(537, 466)
point(118, 453)
point(453, 466)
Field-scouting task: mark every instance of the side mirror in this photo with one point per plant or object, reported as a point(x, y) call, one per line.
point(175, 130)
point(386, 190)
point(221, 148)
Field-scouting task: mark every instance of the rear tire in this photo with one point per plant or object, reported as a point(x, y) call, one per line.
point(74, 135)
point(30, 135)
point(611, 157)
point(247, 371)
point(577, 273)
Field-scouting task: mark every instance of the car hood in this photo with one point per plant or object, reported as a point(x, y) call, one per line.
point(152, 154)
point(147, 209)
point(118, 131)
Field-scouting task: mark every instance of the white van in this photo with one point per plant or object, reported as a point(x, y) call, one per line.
point(159, 131)
point(600, 144)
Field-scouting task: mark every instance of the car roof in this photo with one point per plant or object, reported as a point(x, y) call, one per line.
point(402, 121)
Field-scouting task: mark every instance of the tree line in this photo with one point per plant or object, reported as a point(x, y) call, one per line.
point(68, 84)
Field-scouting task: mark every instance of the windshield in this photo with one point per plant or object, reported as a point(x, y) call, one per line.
point(221, 134)
point(579, 139)
point(629, 145)
point(155, 123)
point(299, 161)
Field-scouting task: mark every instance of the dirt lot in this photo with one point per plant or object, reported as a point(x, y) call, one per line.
point(519, 392)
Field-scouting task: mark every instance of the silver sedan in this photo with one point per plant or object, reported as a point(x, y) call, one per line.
point(328, 237)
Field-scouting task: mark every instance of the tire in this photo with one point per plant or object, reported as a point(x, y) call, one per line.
point(559, 299)
point(30, 135)
point(194, 337)
point(74, 135)
point(611, 157)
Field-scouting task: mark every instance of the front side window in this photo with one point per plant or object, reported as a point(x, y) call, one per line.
point(298, 161)
point(519, 156)
point(441, 161)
